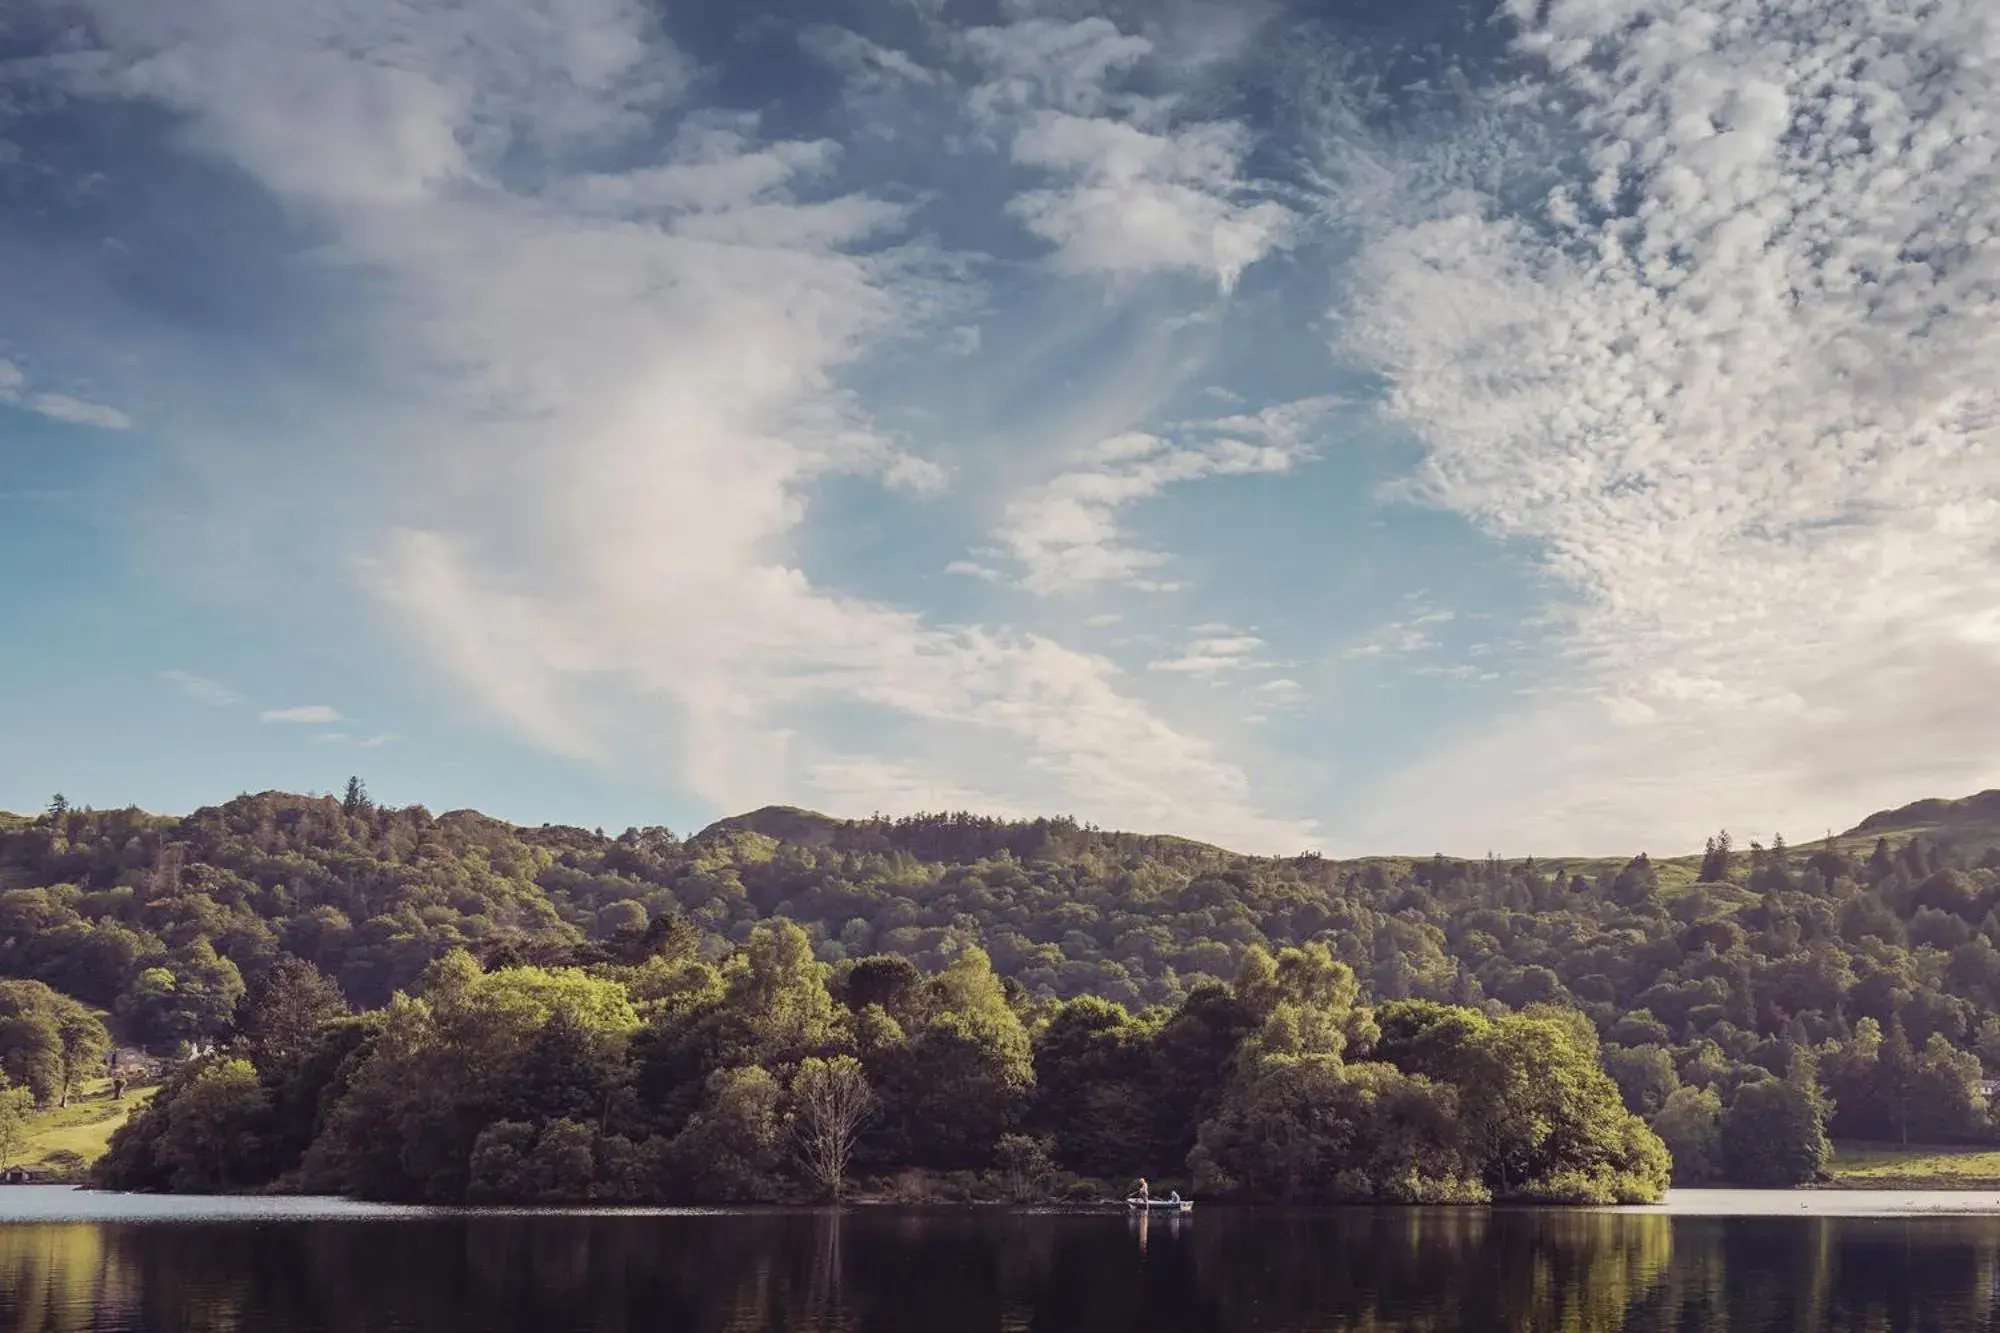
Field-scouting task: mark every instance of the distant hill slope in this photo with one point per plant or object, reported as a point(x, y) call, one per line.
point(1968, 822)
point(1971, 822)
point(786, 823)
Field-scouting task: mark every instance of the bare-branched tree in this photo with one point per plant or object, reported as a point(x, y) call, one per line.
point(831, 1101)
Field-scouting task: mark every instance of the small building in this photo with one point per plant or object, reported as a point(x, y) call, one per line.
point(135, 1066)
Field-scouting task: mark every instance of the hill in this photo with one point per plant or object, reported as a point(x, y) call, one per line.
point(94, 901)
point(1882, 954)
point(1970, 825)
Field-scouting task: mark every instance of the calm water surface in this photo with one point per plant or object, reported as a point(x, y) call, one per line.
point(1708, 1261)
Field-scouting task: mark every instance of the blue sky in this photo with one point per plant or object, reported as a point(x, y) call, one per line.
point(1559, 427)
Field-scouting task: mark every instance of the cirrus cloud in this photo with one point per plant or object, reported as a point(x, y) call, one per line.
point(302, 715)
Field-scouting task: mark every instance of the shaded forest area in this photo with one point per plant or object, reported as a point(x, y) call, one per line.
point(1005, 1005)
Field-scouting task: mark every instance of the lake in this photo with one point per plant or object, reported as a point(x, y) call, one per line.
point(1707, 1260)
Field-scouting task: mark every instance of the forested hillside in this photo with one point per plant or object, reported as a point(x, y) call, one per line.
point(1874, 977)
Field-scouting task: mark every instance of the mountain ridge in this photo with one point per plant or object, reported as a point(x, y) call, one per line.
point(1962, 823)
point(1950, 821)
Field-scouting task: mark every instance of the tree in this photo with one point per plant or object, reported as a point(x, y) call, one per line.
point(188, 999)
point(731, 1149)
point(16, 1106)
point(1637, 883)
point(1307, 1129)
point(890, 980)
point(570, 1071)
point(1718, 859)
point(354, 802)
point(1541, 1116)
point(957, 1087)
point(1094, 1094)
point(962, 1080)
point(1025, 1165)
point(778, 997)
point(1645, 1075)
point(282, 1014)
point(212, 1135)
point(1690, 1124)
point(1884, 1091)
point(513, 1163)
point(498, 1172)
point(1773, 1135)
point(49, 1044)
point(1881, 863)
point(1191, 1062)
point(831, 1101)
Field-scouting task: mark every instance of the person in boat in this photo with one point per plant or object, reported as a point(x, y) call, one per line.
point(1174, 1198)
point(1141, 1192)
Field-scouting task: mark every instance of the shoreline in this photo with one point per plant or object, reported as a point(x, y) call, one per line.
point(1803, 1201)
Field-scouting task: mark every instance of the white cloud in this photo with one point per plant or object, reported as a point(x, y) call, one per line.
point(1213, 655)
point(302, 715)
point(867, 66)
point(632, 385)
point(1459, 671)
point(1411, 634)
point(861, 785)
point(1281, 695)
point(918, 476)
point(14, 392)
point(1050, 63)
point(1289, 424)
point(377, 741)
point(1137, 192)
point(1065, 533)
point(62, 407)
point(201, 689)
point(1737, 384)
point(1141, 202)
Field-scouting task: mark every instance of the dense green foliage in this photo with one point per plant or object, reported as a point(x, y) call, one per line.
point(1116, 998)
point(49, 1044)
point(659, 1076)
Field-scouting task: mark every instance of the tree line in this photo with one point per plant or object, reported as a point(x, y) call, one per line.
point(660, 1076)
point(1698, 980)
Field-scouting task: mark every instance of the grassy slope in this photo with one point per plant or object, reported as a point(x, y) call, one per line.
point(84, 1127)
point(1881, 1166)
point(1970, 823)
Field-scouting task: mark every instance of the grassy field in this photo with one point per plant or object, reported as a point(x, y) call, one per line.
point(1882, 1166)
point(84, 1127)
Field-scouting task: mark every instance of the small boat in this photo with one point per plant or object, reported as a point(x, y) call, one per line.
point(1169, 1205)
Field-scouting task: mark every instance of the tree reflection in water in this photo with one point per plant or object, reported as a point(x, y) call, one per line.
point(869, 1271)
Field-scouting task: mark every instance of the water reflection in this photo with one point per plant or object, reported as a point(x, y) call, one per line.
point(906, 1272)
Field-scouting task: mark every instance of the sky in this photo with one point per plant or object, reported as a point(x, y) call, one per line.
point(1544, 426)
